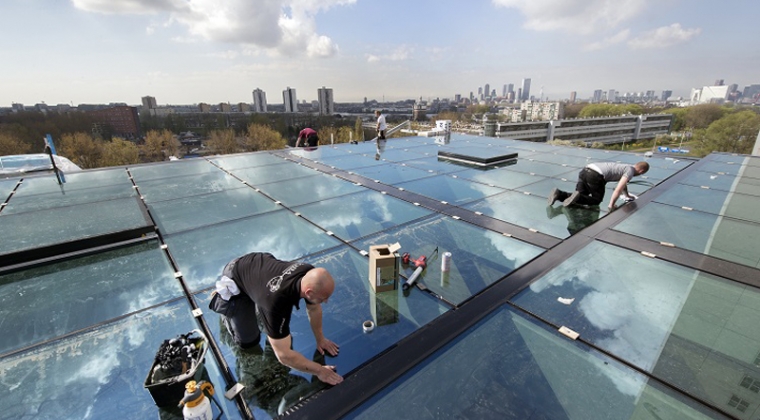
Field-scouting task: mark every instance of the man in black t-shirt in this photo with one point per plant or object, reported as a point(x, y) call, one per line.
point(270, 288)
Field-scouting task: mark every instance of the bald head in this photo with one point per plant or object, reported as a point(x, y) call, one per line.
point(317, 285)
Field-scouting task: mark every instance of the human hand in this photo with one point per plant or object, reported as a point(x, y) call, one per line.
point(327, 345)
point(328, 375)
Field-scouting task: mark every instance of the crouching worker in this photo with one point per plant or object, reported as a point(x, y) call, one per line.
point(592, 180)
point(259, 284)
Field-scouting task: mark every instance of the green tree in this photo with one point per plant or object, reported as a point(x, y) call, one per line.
point(223, 142)
point(119, 152)
point(263, 137)
point(344, 134)
point(701, 116)
point(679, 117)
point(82, 149)
point(734, 133)
point(10, 145)
point(159, 145)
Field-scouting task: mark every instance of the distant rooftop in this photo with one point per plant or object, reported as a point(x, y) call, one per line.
point(650, 311)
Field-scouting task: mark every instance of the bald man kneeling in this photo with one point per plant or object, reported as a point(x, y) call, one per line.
point(259, 284)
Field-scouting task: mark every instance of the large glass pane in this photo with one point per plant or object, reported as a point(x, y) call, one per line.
point(273, 173)
point(351, 161)
point(361, 214)
point(319, 152)
point(562, 159)
point(187, 186)
point(74, 181)
point(442, 166)
point(749, 186)
point(272, 388)
point(721, 237)
point(692, 329)
point(47, 227)
point(479, 256)
point(30, 202)
point(539, 168)
point(392, 173)
point(320, 187)
point(202, 253)
point(515, 368)
point(533, 212)
point(452, 190)
point(5, 189)
point(246, 160)
point(201, 210)
point(99, 374)
point(502, 177)
point(42, 303)
point(710, 180)
point(183, 168)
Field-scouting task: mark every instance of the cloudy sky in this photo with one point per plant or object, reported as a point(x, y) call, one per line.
point(190, 51)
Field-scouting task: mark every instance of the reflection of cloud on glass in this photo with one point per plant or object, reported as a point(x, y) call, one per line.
point(382, 208)
point(511, 249)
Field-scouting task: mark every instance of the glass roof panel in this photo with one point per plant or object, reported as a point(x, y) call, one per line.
point(269, 384)
point(711, 180)
point(351, 161)
point(400, 155)
point(173, 216)
point(545, 376)
point(202, 253)
point(185, 186)
point(247, 160)
point(100, 373)
point(45, 302)
point(392, 173)
point(479, 256)
point(320, 187)
point(749, 186)
point(739, 206)
point(433, 163)
point(728, 168)
point(687, 327)
point(74, 180)
point(452, 190)
point(24, 231)
point(532, 212)
point(183, 168)
point(717, 236)
point(352, 216)
point(5, 188)
point(562, 159)
point(319, 152)
point(501, 177)
point(21, 203)
point(540, 168)
point(273, 173)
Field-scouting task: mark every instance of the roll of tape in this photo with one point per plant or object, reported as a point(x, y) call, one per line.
point(368, 326)
point(446, 262)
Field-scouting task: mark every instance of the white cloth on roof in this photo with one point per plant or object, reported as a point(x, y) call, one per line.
point(227, 288)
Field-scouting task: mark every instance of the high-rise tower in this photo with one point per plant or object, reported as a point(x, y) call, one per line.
point(525, 89)
point(289, 99)
point(326, 104)
point(259, 100)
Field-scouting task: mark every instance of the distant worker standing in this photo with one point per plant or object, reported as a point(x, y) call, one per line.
point(381, 125)
point(592, 180)
point(259, 285)
point(309, 138)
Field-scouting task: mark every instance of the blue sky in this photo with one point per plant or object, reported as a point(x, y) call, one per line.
point(190, 51)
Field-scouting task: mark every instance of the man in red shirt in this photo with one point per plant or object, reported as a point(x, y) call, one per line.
point(308, 137)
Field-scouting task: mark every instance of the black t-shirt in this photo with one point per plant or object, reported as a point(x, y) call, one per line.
point(275, 287)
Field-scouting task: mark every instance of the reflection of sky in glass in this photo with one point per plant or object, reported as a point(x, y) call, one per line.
point(87, 290)
point(246, 160)
point(74, 181)
point(479, 257)
point(319, 187)
point(178, 168)
point(171, 188)
point(532, 212)
point(355, 215)
point(202, 253)
point(98, 374)
point(452, 190)
point(185, 213)
point(559, 374)
point(623, 302)
point(24, 203)
point(51, 226)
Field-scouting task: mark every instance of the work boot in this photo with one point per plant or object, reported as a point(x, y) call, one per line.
point(553, 196)
point(569, 201)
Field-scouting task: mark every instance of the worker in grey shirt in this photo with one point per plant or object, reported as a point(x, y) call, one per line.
point(592, 179)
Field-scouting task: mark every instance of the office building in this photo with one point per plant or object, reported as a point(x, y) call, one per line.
point(326, 103)
point(487, 90)
point(149, 102)
point(597, 98)
point(259, 101)
point(225, 107)
point(120, 121)
point(573, 96)
point(666, 94)
point(525, 90)
point(289, 100)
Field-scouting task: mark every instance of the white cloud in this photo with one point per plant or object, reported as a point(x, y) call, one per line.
point(401, 53)
point(607, 42)
point(663, 37)
point(283, 27)
point(576, 16)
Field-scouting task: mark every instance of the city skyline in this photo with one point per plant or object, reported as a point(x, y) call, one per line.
point(192, 51)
